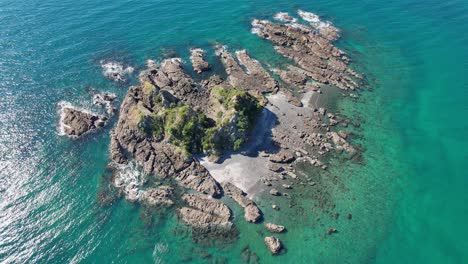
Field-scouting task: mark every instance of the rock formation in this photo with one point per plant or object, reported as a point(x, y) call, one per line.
point(254, 78)
point(274, 228)
point(161, 195)
point(203, 212)
point(273, 244)
point(198, 62)
point(315, 54)
point(325, 28)
point(74, 122)
point(251, 212)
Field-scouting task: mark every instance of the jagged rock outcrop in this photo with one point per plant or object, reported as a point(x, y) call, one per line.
point(274, 228)
point(315, 54)
point(251, 212)
point(198, 62)
point(74, 122)
point(209, 220)
point(151, 150)
point(254, 78)
point(273, 244)
point(159, 196)
point(170, 76)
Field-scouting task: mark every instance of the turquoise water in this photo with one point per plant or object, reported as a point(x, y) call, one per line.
point(408, 199)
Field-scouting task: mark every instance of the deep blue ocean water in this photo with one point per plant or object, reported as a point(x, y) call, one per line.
point(408, 200)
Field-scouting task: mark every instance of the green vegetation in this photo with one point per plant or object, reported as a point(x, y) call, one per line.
point(179, 125)
point(239, 102)
point(209, 142)
point(240, 107)
point(148, 88)
point(183, 128)
point(194, 133)
point(152, 125)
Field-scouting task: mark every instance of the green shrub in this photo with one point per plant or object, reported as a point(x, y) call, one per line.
point(194, 132)
point(183, 128)
point(152, 125)
point(235, 102)
point(238, 144)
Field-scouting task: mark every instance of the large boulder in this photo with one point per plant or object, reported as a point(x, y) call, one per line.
point(274, 228)
point(273, 244)
point(252, 214)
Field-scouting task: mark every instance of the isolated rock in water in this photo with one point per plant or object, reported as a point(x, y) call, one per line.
point(273, 244)
point(74, 122)
point(161, 195)
point(274, 192)
point(340, 142)
point(115, 71)
point(274, 228)
point(251, 212)
point(198, 62)
point(331, 230)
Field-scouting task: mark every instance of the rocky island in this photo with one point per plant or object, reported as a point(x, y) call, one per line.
point(184, 133)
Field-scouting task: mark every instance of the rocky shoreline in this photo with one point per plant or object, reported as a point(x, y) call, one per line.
point(168, 121)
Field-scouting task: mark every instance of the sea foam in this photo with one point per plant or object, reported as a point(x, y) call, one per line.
point(284, 17)
point(129, 179)
point(115, 70)
point(313, 19)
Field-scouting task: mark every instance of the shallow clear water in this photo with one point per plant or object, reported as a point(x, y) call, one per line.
point(408, 200)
